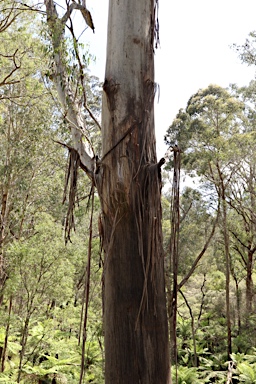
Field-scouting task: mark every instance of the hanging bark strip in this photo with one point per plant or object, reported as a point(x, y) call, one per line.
point(87, 291)
point(174, 248)
point(71, 183)
point(151, 182)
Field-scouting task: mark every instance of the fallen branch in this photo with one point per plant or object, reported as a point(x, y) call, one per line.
point(230, 372)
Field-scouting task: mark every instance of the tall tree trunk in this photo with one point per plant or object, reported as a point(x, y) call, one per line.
point(221, 191)
point(129, 184)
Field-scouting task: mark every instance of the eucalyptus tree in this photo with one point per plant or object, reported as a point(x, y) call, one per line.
point(242, 192)
point(247, 53)
point(205, 130)
point(128, 181)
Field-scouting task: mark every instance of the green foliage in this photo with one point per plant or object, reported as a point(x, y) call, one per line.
point(247, 373)
point(41, 271)
point(5, 379)
point(245, 367)
point(204, 131)
point(185, 375)
point(42, 283)
point(247, 51)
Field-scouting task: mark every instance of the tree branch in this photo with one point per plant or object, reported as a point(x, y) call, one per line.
point(85, 13)
point(16, 67)
point(74, 116)
point(185, 279)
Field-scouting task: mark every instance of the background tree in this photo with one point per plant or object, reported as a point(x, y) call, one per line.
point(213, 115)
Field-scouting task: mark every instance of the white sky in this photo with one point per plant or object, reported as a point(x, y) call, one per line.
point(195, 40)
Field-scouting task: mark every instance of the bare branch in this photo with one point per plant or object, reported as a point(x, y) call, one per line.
point(185, 279)
point(16, 67)
point(85, 13)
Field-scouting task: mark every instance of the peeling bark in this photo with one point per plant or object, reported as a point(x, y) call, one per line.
point(129, 185)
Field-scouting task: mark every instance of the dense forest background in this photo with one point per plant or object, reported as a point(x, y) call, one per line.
point(51, 251)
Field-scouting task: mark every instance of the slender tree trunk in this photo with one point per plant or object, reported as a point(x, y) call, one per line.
point(3, 357)
point(238, 304)
point(227, 262)
point(252, 249)
point(174, 254)
point(23, 344)
point(129, 184)
point(4, 213)
point(249, 282)
point(221, 191)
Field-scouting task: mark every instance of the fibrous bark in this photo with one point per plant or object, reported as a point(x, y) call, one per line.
point(135, 320)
